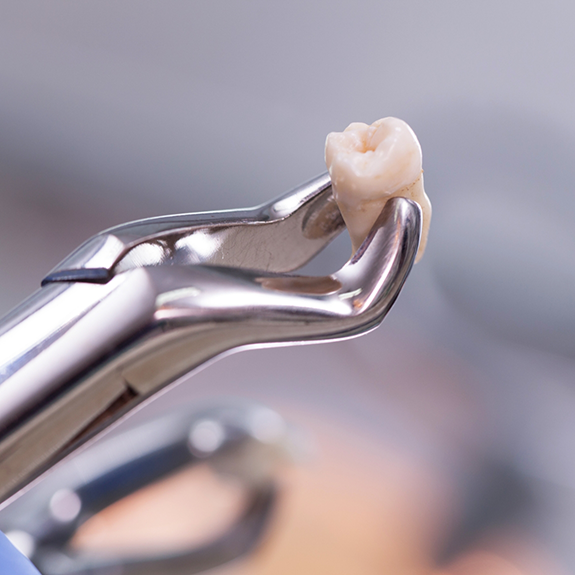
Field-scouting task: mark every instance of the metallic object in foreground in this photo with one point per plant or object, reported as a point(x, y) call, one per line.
point(245, 443)
point(139, 306)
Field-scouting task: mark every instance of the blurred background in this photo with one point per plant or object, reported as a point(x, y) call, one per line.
point(445, 440)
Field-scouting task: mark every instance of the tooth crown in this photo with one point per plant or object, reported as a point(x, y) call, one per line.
point(370, 164)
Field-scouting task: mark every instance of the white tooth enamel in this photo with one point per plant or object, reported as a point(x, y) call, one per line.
point(370, 164)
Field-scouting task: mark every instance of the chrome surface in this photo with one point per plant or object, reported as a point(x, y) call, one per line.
point(233, 439)
point(78, 354)
point(279, 236)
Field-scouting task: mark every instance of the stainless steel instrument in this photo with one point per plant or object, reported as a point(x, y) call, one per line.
point(245, 443)
point(140, 305)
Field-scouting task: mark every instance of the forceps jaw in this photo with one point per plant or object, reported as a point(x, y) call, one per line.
point(376, 271)
point(279, 236)
point(205, 311)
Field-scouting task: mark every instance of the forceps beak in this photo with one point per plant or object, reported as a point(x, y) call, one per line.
point(205, 311)
point(357, 295)
point(279, 236)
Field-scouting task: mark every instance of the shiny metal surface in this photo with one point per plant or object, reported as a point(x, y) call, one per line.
point(232, 439)
point(279, 236)
point(78, 355)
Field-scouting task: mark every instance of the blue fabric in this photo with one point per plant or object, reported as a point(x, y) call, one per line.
point(12, 562)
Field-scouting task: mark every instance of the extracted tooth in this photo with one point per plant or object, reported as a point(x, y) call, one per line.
point(368, 165)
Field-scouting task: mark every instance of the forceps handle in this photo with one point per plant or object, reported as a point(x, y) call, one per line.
point(47, 344)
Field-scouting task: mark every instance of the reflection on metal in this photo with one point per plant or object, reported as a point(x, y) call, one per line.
point(43, 521)
point(277, 237)
point(65, 505)
point(95, 342)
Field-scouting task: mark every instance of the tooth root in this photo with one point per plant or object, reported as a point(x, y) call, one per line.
point(369, 165)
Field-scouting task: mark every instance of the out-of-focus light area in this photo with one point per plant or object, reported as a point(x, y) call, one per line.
point(442, 442)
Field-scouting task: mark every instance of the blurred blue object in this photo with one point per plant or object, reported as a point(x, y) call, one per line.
point(12, 561)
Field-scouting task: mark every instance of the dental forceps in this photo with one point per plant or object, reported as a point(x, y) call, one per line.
point(140, 305)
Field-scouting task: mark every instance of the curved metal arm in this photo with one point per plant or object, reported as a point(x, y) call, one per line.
point(279, 236)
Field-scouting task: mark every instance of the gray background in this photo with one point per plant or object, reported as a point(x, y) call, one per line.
point(111, 111)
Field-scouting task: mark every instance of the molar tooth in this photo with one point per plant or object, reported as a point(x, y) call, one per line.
point(368, 165)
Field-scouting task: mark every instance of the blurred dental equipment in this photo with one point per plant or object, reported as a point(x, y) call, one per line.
point(222, 463)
